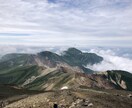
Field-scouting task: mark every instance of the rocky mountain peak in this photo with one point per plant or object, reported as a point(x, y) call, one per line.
point(73, 51)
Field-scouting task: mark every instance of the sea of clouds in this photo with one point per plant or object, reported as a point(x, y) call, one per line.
point(114, 59)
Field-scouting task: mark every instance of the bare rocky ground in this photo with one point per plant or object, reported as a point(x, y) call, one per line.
point(81, 98)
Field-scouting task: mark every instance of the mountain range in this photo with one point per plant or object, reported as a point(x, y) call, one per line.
point(50, 71)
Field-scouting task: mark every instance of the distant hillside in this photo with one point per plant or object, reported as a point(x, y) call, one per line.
point(121, 79)
point(72, 57)
point(75, 57)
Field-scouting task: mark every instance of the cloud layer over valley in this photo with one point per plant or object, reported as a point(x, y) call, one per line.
point(112, 61)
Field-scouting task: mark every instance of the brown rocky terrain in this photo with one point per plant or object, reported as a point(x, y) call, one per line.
point(81, 98)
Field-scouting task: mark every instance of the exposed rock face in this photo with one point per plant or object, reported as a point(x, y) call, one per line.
point(130, 96)
point(121, 79)
point(123, 84)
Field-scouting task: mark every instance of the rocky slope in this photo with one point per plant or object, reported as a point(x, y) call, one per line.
point(81, 98)
point(121, 79)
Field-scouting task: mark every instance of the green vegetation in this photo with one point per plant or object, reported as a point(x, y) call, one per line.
point(19, 75)
point(118, 76)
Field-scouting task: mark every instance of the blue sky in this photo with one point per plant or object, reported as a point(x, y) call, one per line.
point(66, 23)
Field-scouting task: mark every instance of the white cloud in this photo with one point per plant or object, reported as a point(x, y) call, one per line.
point(7, 49)
point(111, 61)
point(93, 22)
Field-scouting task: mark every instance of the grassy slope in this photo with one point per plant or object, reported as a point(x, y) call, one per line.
point(54, 80)
point(9, 62)
point(18, 75)
point(118, 76)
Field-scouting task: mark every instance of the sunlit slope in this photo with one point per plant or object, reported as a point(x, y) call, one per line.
point(38, 78)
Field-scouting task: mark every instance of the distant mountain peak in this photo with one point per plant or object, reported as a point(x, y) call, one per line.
point(73, 51)
point(46, 53)
point(49, 55)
